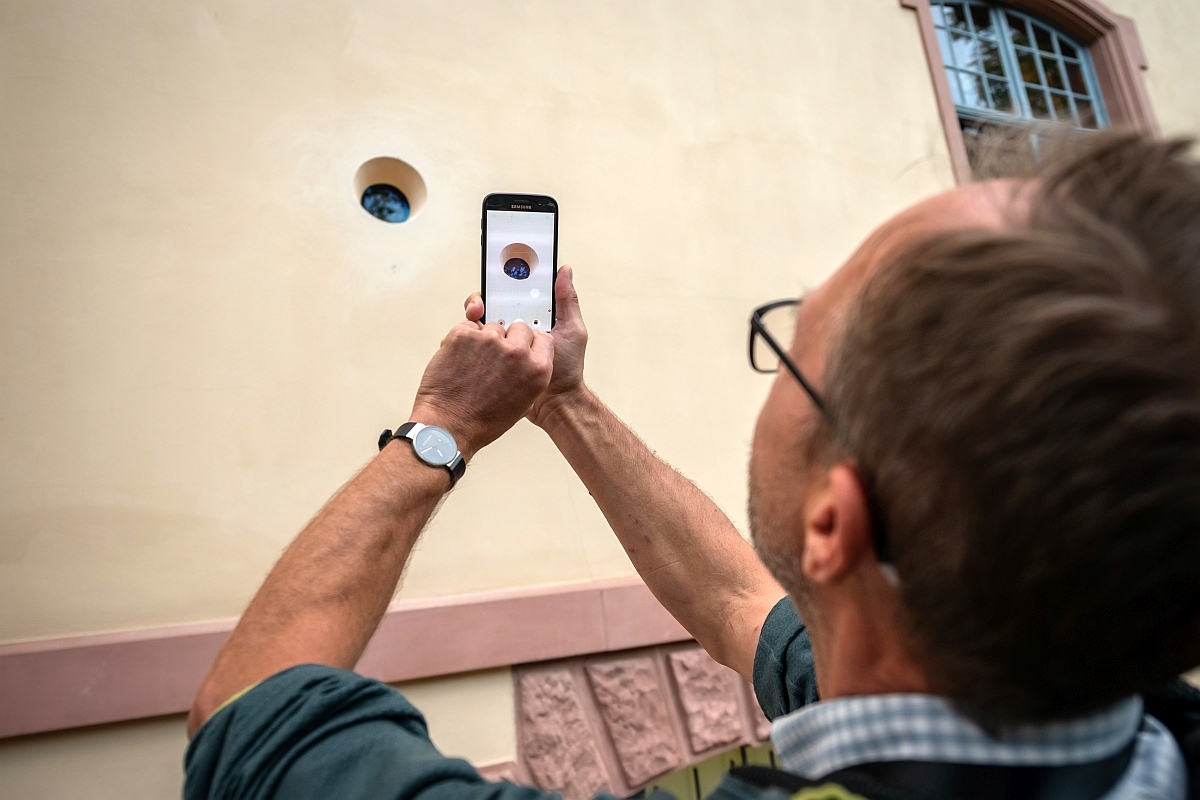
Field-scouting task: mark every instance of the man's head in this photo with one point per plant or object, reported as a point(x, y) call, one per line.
point(1012, 371)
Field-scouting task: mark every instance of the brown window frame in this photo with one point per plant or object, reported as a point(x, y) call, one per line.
point(1111, 38)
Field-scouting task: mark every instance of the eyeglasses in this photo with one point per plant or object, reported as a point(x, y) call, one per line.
point(771, 324)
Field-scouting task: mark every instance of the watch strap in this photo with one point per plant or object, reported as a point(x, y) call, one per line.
point(457, 466)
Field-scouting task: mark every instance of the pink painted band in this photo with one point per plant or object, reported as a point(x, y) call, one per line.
point(73, 681)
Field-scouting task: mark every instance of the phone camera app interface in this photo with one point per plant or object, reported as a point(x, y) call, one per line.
point(520, 268)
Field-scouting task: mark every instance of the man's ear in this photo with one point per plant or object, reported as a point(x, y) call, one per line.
point(837, 527)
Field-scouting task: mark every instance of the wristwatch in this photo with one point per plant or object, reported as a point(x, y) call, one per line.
point(433, 445)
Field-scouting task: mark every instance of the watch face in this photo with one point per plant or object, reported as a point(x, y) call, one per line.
point(435, 445)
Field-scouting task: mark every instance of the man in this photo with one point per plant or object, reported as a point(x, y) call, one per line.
point(977, 476)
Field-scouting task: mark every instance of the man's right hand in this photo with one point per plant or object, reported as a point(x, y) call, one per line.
point(570, 341)
point(691, 556)
point(482, 380)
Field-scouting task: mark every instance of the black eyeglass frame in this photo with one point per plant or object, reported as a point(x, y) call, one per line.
point(759, 328)
point(883, 552)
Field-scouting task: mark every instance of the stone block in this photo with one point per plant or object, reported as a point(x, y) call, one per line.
point(556, 740)
point(633, 705)
point(708, 694)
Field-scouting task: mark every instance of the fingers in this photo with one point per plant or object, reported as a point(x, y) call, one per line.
point(459, 330)
point(565, 297)
point(543, 348)
point(494, 328)
point(520, 334)
point(474, 307)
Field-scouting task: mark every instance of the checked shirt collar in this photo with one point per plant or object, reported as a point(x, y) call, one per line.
point(828, 736)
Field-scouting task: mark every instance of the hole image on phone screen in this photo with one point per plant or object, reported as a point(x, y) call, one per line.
point(519, 268)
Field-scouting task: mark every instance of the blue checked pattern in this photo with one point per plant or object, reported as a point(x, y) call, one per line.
point(825, 737)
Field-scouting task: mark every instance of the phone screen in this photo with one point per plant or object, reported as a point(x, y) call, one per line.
point(519, 262)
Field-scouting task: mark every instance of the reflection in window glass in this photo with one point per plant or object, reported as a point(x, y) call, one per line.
point(1045, 39)
point(1075, 73)
point(992, 64)
point(1001, 96)
point(1050, 68)
point(966, 53)
point(1087, 114)
point(1004, 67)
point(953, 16)
point(972, 89)
point(1062, 106)
point(1037, 103)
point(1017, 25)
point(981, 18)
point(1029, 71)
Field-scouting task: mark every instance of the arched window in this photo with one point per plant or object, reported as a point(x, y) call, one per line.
point(1074, 61)
point(1004, 66)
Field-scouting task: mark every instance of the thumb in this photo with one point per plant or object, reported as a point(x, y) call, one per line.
point(565, 297)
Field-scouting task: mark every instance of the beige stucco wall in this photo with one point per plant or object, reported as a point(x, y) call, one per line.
point(201, 333)
point(1173, 77)
point(143, 760)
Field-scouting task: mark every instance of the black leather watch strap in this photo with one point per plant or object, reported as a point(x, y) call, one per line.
point(457, 467)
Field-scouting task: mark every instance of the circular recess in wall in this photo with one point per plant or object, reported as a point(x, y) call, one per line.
point(519, 260)
point(389, 189)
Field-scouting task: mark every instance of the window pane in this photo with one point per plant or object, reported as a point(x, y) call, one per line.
point(1075, 73)
point(980, 41)
point(1038, 102)
point(1062, 107)
point(1001, 96)
point(1054, 78)
point(1017, 26)
point(1045, 41)
point(1087, 114)
point(954, 16)
point(1029, 72)
point(991, 58)
point(944, 41)
point(972, 90)
point(982, 17)
point(955, 87)
point(966, 51)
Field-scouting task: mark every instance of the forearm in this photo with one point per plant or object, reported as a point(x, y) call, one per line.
point(687, 551)
point(324, 598)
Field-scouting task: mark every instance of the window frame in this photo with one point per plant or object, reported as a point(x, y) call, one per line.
point(1111, 40)
point(1000, 19)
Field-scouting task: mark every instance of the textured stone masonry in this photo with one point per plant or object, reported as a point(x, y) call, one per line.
point(617, 722)
point(557, 742)
point(708, 693)
point(634, 707)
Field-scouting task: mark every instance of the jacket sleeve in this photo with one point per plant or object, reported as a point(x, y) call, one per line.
point(784, 678)
point(318, 732)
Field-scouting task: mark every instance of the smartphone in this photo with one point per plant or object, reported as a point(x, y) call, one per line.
point(520, 259)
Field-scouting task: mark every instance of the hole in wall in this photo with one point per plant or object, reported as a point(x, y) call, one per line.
point(390, 189)
point(519, 260)
point(386, 202)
